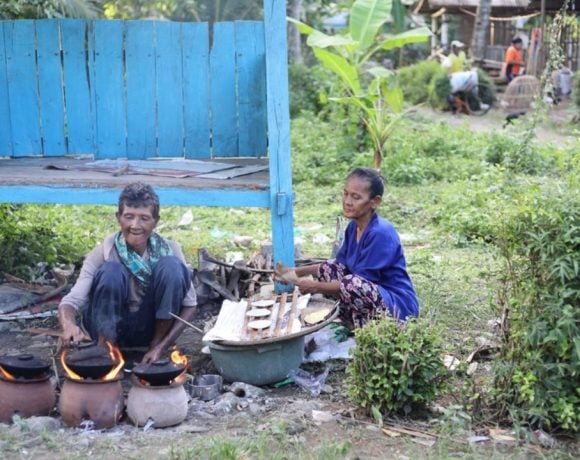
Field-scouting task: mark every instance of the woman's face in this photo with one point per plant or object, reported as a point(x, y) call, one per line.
point(136, 225)
point(356, 200)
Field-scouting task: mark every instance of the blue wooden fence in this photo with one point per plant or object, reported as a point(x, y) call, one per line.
point(134, 89)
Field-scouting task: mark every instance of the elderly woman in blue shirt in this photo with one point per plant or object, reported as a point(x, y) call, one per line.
point(369, 274)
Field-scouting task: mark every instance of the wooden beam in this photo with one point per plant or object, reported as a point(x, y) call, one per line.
point(281, 196)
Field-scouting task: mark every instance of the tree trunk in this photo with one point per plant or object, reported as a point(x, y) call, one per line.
point(478, 43)
point(294, 42)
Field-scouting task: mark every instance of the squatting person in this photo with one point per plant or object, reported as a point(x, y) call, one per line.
point(369, 274)
point(131, 283)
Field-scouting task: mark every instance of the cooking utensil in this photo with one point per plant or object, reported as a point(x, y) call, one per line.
point(160, 372)
point(90, 362)
point(24, 365)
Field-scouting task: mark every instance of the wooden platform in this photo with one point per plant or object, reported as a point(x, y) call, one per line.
point(59, 180)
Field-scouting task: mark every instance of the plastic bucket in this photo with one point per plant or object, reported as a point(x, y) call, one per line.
point(258, 364)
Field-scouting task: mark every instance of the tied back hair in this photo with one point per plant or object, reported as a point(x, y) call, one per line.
point(139, 195)
point(373, 178)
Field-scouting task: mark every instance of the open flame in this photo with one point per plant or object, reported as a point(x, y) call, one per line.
point(7, 375)
point(116, 357)
point(178, 358)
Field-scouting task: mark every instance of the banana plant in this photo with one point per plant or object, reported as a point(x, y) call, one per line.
point(347, 55)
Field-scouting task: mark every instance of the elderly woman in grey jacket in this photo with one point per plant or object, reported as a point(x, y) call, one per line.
point(131, 284)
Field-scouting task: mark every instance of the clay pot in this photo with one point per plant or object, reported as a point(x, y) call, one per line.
point(98, 401)
point(166, 405)
point(26, 398)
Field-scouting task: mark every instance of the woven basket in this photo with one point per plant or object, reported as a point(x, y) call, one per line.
point(520, 92)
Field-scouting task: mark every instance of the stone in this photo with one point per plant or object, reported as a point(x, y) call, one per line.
point(226, 403)
point(326, 389)
point(192, 429)
point(322, 416)
point(40, 424)
point(295, 427)
point(245, 390)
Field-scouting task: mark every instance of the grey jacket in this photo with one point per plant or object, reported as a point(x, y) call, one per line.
point(78, 297)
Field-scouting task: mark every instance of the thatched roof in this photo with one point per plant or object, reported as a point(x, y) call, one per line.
point(473, 3)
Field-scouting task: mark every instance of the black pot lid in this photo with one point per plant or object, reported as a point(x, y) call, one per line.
point(159, 371)
point(25, 365)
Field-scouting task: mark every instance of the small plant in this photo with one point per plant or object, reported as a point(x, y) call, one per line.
point(415, 79)
point(576, 92)
point(537, 374)
point(395, 367)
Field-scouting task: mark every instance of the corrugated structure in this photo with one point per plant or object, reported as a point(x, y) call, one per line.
point(141, 90)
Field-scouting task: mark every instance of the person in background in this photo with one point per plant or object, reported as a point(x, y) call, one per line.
point(131, 283)
point(369, 274)
point(457, 57)
point(514, 59)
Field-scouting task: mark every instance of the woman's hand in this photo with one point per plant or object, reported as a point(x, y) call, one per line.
point(285, 275)
point(307, 285)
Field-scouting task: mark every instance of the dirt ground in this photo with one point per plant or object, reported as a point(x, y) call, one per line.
point(277, 423)
point(280, 423)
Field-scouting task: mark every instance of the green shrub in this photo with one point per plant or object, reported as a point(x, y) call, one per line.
point(395, 367)
point(415, 79)
point(538, 372)
point(306, 86)
point(576, 90)
point(439, 89)
point(30, 234)
point(321, 154)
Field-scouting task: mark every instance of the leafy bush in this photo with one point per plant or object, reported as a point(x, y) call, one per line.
point(439, 89)
point(538, 372)
point(576, 90)
point(306, 88)
point(415, 79)
point(395, 367)
point(320, 154)
point(30, 234)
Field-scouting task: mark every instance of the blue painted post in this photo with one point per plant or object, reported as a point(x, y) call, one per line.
point(224, 110)
point(169, 89)
point(50, 87)
point(19, 40)
point(251, 76)
point(5, 132)
point(195, 41)
point(77, 81)
point(140, 75)
point(110, 89)
point(279, 131)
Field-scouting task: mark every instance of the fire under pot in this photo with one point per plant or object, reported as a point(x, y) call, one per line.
point(92, 388)
point(25, 387)
point(157, 392)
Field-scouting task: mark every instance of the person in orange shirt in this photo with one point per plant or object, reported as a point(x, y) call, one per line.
point(514, 59)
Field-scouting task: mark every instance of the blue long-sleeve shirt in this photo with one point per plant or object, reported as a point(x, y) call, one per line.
point(378, 257)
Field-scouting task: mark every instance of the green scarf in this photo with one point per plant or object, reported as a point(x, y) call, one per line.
point(142, 269)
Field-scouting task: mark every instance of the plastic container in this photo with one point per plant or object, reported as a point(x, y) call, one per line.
point(258, 364)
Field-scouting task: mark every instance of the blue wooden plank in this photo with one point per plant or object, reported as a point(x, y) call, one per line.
point(224, 110)
point(22, 87)
point(169, 90)
point(279, 131)
point(195, 39)
point(50, 88)
point(5, 132)
point(167, 196)
point(140, 75)
point(251, 74)
point(110, 89)
point(80, 126)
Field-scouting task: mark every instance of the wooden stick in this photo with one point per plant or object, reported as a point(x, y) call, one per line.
point(280, 315)
point(187, 323)
point(43, 331)
point(292, 311)
point(246, 319)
